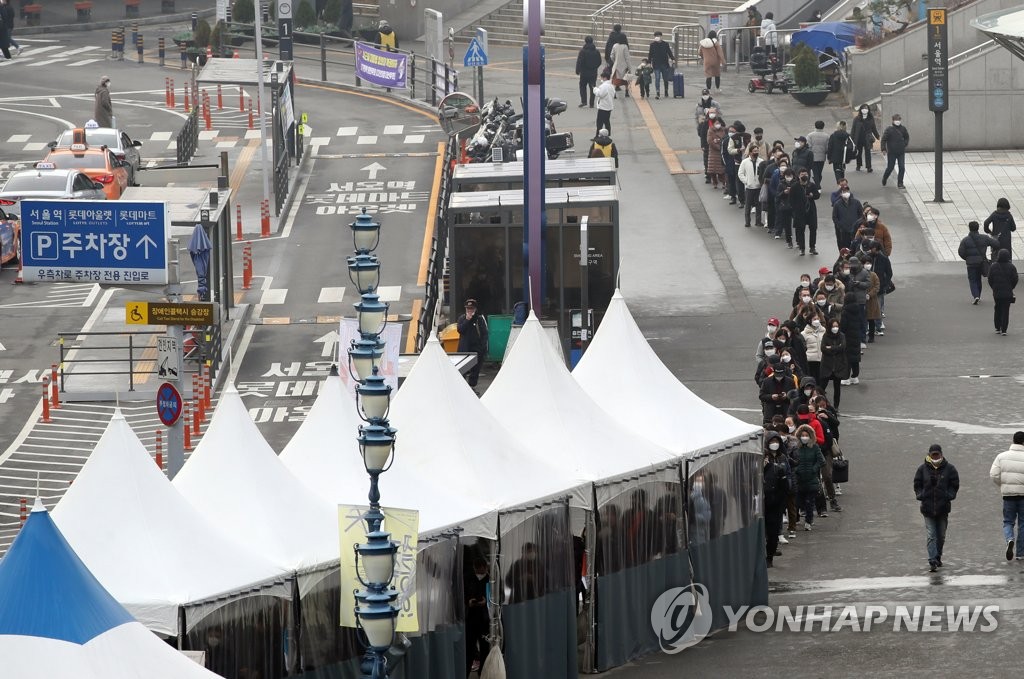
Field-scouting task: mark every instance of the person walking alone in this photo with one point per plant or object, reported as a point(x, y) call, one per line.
point(864, 133)
point(1000, 225)
point(588, 63)
point(974, 251)
point(1002, 278)
point(473, 338)
point(713, 57)
point(840, 150)
point(5, 33)
point(894, 146)
point(7, 19)
point(936, 484)
point(660, 56)
point(103, 110)
point(1007, 472)
point(604, 97)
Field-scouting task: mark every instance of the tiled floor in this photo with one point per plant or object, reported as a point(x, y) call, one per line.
point(972, 183)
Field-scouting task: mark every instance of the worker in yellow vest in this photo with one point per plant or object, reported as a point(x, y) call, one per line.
point(604, 147)
point(387, 38)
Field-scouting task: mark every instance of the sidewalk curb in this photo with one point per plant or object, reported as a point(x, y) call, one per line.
point(146, 21)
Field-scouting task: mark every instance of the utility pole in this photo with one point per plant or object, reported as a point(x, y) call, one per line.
point(260, 99)
point(175, 435)
point(534, 152)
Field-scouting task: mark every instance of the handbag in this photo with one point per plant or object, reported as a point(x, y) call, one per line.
point(986, 264)
point(840, 470)
point(762, 197)
point(891, 288)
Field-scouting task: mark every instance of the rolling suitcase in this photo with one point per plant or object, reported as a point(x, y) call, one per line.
point(677, 86)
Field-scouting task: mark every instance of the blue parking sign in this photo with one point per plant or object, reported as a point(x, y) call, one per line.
point(113, 242)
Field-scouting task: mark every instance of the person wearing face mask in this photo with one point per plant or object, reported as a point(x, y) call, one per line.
point(1000, 225)
point(588, 63)
point(864, 133)
point(835, 367)
point(974, 251)
point(789, 205)
point(103, 111)
point(478, 619)
point(834, 294)
point(789, 338)
point(852, 324)
point(841, 187)
point(804, 312)
point(845, 214)
point(840, 150)
point(771, 360)
point(803, 156)
point(659, 54)
point(732, 151)
point(872, 218)
point(804, 416)
point(813, 334)
point(792, 368)
point(748, 180)
point(882, 267)
point(775, 476)
point(771, 327)
point(894, 144)
point(774, 394)
point(936, 484)
point(808, 473)
point(219, 658)
point(716, 142)
point(806, 223)
point(708, 112)
point(713, 57)
point(873, 308)
point(762, 146)
point(803, 288)
point(817, 141)
point(767, 176)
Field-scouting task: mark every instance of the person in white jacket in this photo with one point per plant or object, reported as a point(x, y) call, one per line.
point(813, 334)
point(604, 99)
point(747, 175)
point(1008, 473)
point(769, 33)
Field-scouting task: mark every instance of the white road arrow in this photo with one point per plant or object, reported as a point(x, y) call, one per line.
point(330, 340)
point(146, 242)
point(2, 347)
point(373, 169)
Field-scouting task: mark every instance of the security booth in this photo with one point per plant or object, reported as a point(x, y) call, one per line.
point(278, 79)
point(560, 173)
point(486, 252)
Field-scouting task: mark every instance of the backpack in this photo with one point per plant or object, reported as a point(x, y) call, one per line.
point(601, 151)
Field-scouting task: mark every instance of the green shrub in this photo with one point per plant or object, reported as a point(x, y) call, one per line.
point(805, 67)
point(304, 15)
point(202, 33)
point(332, 12)
point(217, 36)
point(243, 11)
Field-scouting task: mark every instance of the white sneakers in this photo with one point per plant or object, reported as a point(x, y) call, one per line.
point(783, 540)
point(845, 383)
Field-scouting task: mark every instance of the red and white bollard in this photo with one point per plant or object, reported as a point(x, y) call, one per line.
point(206, 386)
point(24, 510)
point(264, 218)
point(252, 125)
point(247, 266)
point(54, 392)
point(187, 107)
point(46, 399)
point(171, 102)
point(188, 425)
point(220, 98)
point(241, 100)
point(238, 222)
point(160, 449)
point(167, 92)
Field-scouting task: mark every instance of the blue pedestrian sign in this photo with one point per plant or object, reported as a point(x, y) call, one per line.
point(168, 404)
point(113, 242)
point(475, 55)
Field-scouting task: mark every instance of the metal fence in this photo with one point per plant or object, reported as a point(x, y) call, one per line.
point(432, 298)
point(686, 41)
point(187, 140)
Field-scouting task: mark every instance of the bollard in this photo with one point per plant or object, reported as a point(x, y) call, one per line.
point(241, 100)
point(197, 416)
point(197, 413)
point(188, 109)
point(120, 43)
point(251, 124)
point(209, 52)
point(139, 45)
point(184, 57)
point(195, 21)
point(172, 93)
point(247, 266)
point(19, 279)
point(167, 92)
point(206, 384)
point(206, 110)
point(113, 44)
point(188, 426)
point(161, 51)
point(46, 399)
point(24, 510)
point(220, 98)
point(264, 218)
point(160, 449)
point(135, 32)
point(54, 395)
point(238, 222)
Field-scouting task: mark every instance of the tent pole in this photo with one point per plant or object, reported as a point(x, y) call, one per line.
point(295, 629)
point(181, 628)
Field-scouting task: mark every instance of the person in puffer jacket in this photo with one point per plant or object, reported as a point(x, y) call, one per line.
point(936, 485)
point(1008, 473)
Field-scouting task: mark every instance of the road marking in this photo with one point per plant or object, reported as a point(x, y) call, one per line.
point(242, 164)
point(377, 97)
point(160, 136)
point(658, 136)
point(83, 62)
point(226, 144)
point(393, 129)
point(343, 156)
point(252, 134)
point(410, 339)
point(66, 123)
point(428, 232)
point(319, 141)
point(389, 293)
point(347, 131)
point(330, 295)
point(275, 296)
point(208, 135)
point(414, 139)
point(35, 146)
point(18, 138)
point(367, 139)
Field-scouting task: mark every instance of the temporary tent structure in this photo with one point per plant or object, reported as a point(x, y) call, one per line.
point(57, 621)
point(149, 547)
point(235, 479)
point(623, 374)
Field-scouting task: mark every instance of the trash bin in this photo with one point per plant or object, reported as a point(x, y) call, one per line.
point(498, 328)
point(450, 338)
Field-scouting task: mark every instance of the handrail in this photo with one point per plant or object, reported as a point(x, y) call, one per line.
point(785, 35)
point(918, 76)
point(602, 10)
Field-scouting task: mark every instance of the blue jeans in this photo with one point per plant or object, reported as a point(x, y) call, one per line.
point(935, 529)
point(974, 279)
point(667, 72)
point(893, 159)
point(1013, 512)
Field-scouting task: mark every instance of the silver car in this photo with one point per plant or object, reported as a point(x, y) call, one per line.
point(45, 183)
point(120, 144)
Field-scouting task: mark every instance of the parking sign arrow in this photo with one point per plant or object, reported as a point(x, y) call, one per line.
point(146, 242)
point(373, 169)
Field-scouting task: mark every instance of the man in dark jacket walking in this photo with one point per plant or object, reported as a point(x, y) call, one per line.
point(864, 133)
point(974, 251)
point(894, 146)
point(660, 56)
point(1002, 278)
point(840, 150)
point(473, 338)
point(588, 63)
point(936, 484)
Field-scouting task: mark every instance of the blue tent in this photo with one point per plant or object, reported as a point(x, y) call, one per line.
point(835, 34)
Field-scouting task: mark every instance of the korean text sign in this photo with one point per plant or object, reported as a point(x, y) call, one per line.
point(380, 67)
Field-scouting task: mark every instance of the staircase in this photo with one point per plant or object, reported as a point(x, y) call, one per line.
point(567, 22)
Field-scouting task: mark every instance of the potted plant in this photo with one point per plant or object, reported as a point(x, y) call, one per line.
point(808, 88)
point(183, 38)
point(200, 41)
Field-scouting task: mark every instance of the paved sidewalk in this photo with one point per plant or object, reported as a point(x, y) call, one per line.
point(62, 13)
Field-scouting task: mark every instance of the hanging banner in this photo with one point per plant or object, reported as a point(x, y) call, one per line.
point(380, 67)
point(404, 526)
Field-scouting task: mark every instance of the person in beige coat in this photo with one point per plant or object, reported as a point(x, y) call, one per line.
point(1008, 473)
point(713, 56)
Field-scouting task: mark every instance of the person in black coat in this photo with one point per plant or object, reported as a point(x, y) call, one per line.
point(1000, 225)
point(894, 144)
point(478, 619)
point(473, 337)
point(1002, 278)
point(774, 395)
point(974, 251)
point(835, 367)
point(846, 212)
point(660, 56)
point(789, 203)
point(936, 485)
point(588, 63)
point(864, 132)
point(613, 39)
point(776, 477)
point(852, 323)
point(839, 150)
point(809, 218)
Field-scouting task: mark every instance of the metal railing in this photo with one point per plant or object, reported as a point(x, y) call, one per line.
point(619, 12)
point(739, 41)
point(438, 252)
point(918, 76)
point(686, 41)
point(187, 140)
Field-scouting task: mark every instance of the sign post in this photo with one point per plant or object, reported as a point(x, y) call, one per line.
point(169, 358)
point(938, 83)
point(284, 29)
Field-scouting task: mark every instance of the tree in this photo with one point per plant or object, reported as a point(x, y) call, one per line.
point(304, 15)
point(202, 33)
point(332, 12)
point(243, 11)
point(806, 73)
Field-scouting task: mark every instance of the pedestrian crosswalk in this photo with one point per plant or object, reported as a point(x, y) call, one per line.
point(387, 293)
point(34, 56)
point(56, 295)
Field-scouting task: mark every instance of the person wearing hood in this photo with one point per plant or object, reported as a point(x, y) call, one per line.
point(802, 156)
point(103, 110)
point(974, 251)
point(1000, 225)
point(660, 56)
point(770, 33)
point(936, 485)
point(775, 476)
point(613, 39)
point(835, 366)
point(864, 133)
point(588, 63)
point(603, 147)
point(774, 394)
point(894, 144)
point(386, 36)
point(1007, 473)
point(852, 323)
point(713, 56)
point(808, 473)
point(1002, 278)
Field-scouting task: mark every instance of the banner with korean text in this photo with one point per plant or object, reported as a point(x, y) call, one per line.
point(380, 67)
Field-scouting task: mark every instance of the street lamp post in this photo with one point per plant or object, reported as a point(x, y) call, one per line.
point(376, 604)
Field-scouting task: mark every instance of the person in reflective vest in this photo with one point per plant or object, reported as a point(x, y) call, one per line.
point(387, 37)
point(604, 147)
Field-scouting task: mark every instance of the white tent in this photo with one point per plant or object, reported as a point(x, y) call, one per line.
point(623, 374)
point(535, 390)
point(235, 479)
point(148, 546)
point(57, 621)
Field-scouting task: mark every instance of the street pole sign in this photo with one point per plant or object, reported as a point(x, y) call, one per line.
point(475, 55)
point(284, 29)
point(169, 358)
point(115, 242)
point(168, 404)
point(938, 83)
point(168, 313)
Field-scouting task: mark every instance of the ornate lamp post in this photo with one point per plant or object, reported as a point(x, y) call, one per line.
point(376, 604)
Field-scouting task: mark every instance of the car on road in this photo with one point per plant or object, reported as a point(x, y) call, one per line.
point(45, 183)
point(10, 237)
point(124, 147)
point(98, 162)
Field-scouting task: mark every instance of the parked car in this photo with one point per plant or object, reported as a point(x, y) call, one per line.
point(48, 183)
point(10, 237)
point(123, 146)
point(98, 162)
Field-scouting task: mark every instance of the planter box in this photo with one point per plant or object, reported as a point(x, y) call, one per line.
point(810, 97)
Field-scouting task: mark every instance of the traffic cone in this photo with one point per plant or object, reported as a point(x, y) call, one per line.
point(235, 56)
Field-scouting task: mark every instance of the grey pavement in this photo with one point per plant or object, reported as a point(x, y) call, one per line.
point(62, 16)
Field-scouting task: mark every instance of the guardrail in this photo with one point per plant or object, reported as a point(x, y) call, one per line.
point(918, 76)
point(738, 41)
point(686, 41)
point(438, 252)
point(187, 140)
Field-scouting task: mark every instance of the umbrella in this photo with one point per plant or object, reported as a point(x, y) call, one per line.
point(835, 34)
point(199, 247)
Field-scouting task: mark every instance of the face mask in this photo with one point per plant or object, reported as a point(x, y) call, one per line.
point(712, 115)
point(213, 642)
point(732, 133)
point(787, 358)
point(481, 576)
point(808, 392)
point(783, 166)
point(897, 123)
point(772, 329)
point(830, 288)
point(758, 137)
point(819, 302)
point(706, 97)
point(863, 114)
point(804, 179)
point(698, 486)
point(845, 195)
point(792, 428)
point(867, 267)
point(804, 440)
point(846, 272)
point(657, 38)
point(805, 284)
point(835, 331)
point(769, 352)
point(799, 144)
point(718, 126)
point(773, 446)
point(805, 300)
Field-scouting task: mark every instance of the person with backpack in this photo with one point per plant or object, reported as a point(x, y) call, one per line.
point(473, 338)
point(604, 147)
point(974, 251)
point(386, 36)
